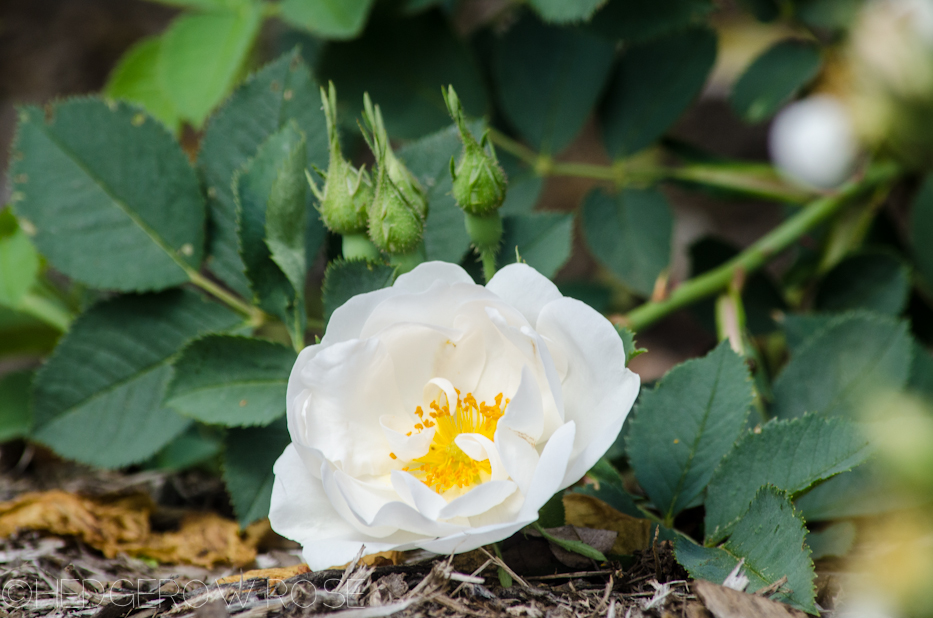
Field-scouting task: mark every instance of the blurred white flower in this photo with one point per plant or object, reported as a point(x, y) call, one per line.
point(442, 415)
point(812, 142)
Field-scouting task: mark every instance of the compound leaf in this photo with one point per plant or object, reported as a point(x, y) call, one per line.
point(834, 371)
point(15, 408)
point(790, 455)
point(230, 380)
point(19, 262)
point(249, 455)
point(330, 19)
point(639, 20)
point(774, 77)
point(543, 240)
point(549, 79)
point(685, 426)
point(202, 55)
point(273, 182)
point(771, 538)
point(630, 233)
point(345, 279)
point(279, 93)
point(402, 64)
point(652, 86)
point(135, 79)
point(872, 280)
point(562, 12)
point(84, 179)
point(98, 399)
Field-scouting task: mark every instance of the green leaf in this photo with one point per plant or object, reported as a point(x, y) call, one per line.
point(249, 455)
point(543, 240)
point(232, 381)
point(577, 547)
point(770, 537)
point(835, 540)
point(595, 294)
point(552, 515)
point(344, 280)
point(840, 366)
point(194, 446)
point(445, 235)
point(630, 233)
point(524, 188)
point(19, 262)
point(614, 495)
point(640, 20)
point(330, 19)
point(98, 399)
point(832, 15)
point(202, 56)
point(402, 63)
point(563, 12)
point(652, 86)
point(685, 426)
point(866, 491)
point(774, 77)
point(873, 280)
point(272, 182)
point(799, 328)
point(285, 210)
point(628, 342)
point(135, 79)
point(15, 409)
point(281, 92)
point(84, 174)
point(790, 455)
point(548, 80)
point(921, 229)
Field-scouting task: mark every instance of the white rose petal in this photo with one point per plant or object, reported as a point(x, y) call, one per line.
point(442, 415)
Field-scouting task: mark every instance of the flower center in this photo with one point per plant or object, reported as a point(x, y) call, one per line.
point(446, 465)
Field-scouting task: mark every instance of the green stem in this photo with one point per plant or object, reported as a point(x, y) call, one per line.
point(757, 255)
point(46, 310)
point(751, 180)
point(489, 263)
point(255, 315)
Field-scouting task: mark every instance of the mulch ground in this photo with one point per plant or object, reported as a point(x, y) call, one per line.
point(47, 576)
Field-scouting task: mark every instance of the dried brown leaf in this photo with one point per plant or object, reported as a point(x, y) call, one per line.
point(121, 524)
point(107, 525)
point(270, 574)
point(724, 602)
point(589, 512)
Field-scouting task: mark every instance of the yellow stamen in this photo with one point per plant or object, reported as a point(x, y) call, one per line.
point(446, 465)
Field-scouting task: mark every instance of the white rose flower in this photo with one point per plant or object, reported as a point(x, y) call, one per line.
point(440, 414)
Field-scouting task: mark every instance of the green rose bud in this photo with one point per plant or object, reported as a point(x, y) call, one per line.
point(348, 191)
point(478, 180)
point(399, 207)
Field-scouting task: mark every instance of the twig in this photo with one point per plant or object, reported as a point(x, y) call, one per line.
point(501, 563)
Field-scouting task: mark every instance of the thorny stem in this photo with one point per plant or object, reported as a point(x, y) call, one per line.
point(489, 263)
point(758, 254)
point(256, 316)
point(750, 179)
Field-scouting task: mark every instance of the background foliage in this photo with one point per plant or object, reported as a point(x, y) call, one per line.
point(166, 257)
